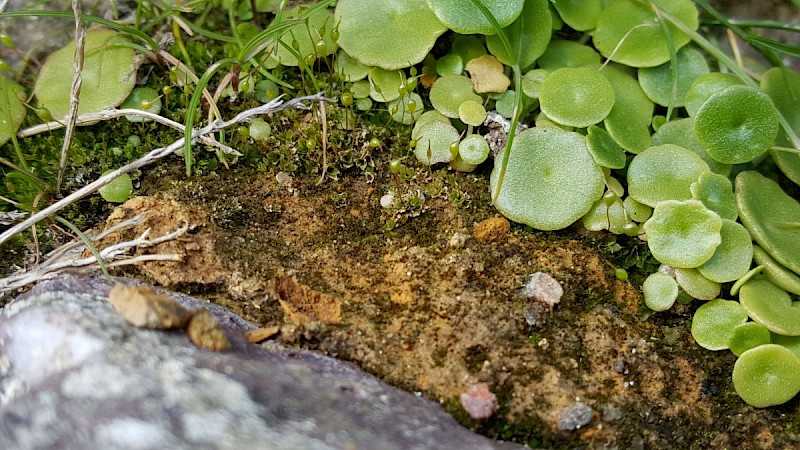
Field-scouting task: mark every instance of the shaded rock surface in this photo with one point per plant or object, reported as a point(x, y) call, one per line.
point(75, 374)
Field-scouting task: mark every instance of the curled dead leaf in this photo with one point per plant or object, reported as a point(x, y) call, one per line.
point(262, 334)
point(487, 74)
point(302, 305)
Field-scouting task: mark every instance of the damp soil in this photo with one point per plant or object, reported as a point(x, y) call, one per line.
point(424, 302)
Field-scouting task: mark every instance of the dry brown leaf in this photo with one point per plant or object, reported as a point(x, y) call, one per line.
point(487, 75)
point(143, 307)
point(262, 334)
point(205, 332)
point(302, 305)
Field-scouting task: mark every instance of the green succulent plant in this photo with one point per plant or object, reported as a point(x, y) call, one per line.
point(637, 123)
point(109, 74)
point(12, 108)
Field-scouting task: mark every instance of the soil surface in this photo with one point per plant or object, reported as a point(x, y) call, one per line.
point(435, 305)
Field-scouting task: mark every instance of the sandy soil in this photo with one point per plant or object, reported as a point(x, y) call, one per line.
point(435, 307)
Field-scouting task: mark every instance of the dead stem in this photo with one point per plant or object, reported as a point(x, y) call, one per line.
point(114, 113)
point(272, 107)
point(75, 92)
point(68, 256)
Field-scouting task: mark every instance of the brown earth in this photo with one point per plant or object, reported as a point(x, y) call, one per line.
point(427, 307)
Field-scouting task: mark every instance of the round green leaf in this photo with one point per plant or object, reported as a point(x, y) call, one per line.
point(543, 188)
point(628, 31)
point(427, 116)
point(657, 82)
point(349, 67)
point(472, 113)
point(638, 212)
point(771, 217)
point(384, 84)
point(716, 192)
point(696, 285)
point(705, 86)
point(681, 132)
point(449, 92)
point(790, 342)
point(683, 233)
point(391, 34)
point(530, 33)
point(364, 104)
point(434, 141)
point(767, 375)
point(468, 47)
point(145, 99)
point(473, 149)
point(304, 36)
point(731, 260)
point(118, 190)
point(660, 291)
point(12, 108)
point(783, 87)
point(629, 120)
point(714, 322)
point(664, 172)
point(406, 109)
point(774, 272)
point(463, 17)
point(460, 165)
point(603, 216)
point(560, 53)
point(770, 306)
point(504, 103)
point(580, 15)
point(604, 149)
point(260, 130)
point(109, 74)
point(748, 335)
point(361, 88)
point(532, 82)
point(736, 124)
point(576, 96)
point(449, 64)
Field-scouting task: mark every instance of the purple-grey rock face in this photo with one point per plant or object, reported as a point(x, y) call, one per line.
point(74, 374)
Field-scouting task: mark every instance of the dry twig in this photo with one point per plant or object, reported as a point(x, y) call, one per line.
point(113, 114)
point(75, 92)
point(69, 256)
point(273, 106)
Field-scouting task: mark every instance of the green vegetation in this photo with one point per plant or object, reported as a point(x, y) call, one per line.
point(637, 124)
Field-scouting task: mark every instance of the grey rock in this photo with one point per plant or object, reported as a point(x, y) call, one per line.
point(574, 416)
point(75, 375)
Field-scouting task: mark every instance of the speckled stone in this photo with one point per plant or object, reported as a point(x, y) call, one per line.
point(74, 374)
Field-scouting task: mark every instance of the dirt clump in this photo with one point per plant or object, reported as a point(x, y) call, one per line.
point(428, 316)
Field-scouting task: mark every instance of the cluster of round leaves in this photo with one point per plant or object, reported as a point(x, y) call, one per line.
point(592, 119)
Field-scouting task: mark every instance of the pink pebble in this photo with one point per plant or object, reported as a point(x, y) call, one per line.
point(479, 402)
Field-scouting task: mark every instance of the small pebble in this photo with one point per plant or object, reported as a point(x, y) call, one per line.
point(479, 402)
point(457, 240)
point(611, 413)
point(575, 416)
point(532, 318)
point(543, 288)
point(491, 229)
point(204, 331)
point(387, 200)
point(143, 307)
